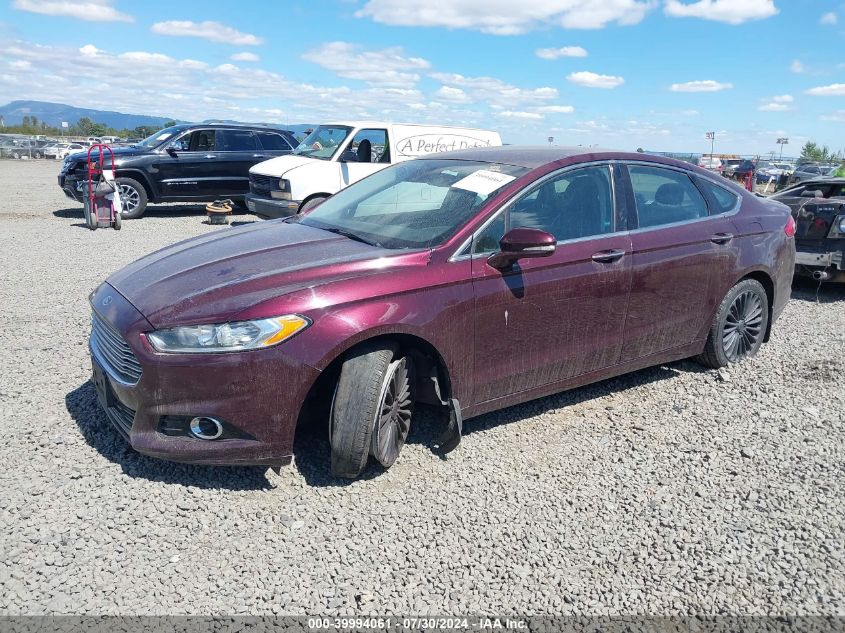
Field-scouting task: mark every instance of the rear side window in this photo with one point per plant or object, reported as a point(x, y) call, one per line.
point(721, 200)
point(273, 142)
point(665, 196)
point(235, 141)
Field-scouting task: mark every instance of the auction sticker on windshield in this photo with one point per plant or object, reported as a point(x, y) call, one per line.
point(483, 182)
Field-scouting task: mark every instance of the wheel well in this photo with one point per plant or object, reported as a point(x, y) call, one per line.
point(434, 384)
point(140, 177)
point(312, 196)
point(769, 287)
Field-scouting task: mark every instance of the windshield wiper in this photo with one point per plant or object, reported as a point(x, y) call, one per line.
point(350, 235)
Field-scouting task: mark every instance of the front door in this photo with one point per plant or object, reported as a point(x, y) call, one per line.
point(189, 168)
point(553, 318)
point(680, 252)
point(371, 149)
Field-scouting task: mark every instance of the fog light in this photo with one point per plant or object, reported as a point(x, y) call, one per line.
point(206, 428)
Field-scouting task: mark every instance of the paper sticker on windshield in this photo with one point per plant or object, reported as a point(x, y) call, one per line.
point(483, 182)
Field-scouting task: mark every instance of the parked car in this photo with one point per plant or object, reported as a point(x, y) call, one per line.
point(711, 163)
point(61, 150)
point(183, 163)
point(809, 171)
point(334, 156)
point(23, 148)
point(729, 166)
point(745, 168)
point(469, 280)
point(818, 207)
point(767, 171)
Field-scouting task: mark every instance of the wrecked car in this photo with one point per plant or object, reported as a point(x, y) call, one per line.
point(818, 207)
point(470, 280)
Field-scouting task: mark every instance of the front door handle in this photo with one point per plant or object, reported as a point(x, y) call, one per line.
point(608, 257)
point(258, 155)
point(721, 238)
point(210, 156)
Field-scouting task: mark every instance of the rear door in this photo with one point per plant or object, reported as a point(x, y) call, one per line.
point(237, 151)
point(681, 254)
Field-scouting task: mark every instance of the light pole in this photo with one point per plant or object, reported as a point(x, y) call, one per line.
point(782, 142)
point(711, 136)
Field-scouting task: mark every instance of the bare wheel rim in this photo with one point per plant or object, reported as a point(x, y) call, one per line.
point(743, 325)
point(129, 198)
point(393, 415)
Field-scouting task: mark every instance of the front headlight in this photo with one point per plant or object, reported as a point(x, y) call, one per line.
point(284, 190)
point(228, 337)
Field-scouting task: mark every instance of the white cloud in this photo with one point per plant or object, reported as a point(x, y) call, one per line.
point(691, 113)
point(594, 80)
point(20, 64)
point(455, 95)
point(208, 30)
point(833, 90)
point(245, 57)
point(89, 50)
point(797, 67)
point(783, 99)
point(90, 10)
point(555, 109)
point(729, 11)
point(507, 17)
point(838, 116)
point(774, 107)
point(556, 53)
point(495, 92)
point(707, 85)
point(511, 114)
point(390, 66)
point(829, 19)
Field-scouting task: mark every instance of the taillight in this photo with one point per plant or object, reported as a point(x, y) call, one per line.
point(789, 229)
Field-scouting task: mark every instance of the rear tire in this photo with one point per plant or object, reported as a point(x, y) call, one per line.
point(133, 198)
point(739, 326)
point(372, 408)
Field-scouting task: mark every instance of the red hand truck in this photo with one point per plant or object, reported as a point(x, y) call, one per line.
point(101, 198)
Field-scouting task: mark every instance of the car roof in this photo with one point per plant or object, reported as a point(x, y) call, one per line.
point(216, 126)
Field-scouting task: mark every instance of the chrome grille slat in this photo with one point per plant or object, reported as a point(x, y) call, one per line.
point(113, 351)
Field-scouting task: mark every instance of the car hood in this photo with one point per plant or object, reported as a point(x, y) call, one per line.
point(281, 165)
point(118, 153)
point(215, 277)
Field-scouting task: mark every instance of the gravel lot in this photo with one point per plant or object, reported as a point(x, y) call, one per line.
point(672, 490)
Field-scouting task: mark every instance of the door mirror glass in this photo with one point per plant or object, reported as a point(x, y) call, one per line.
point(522, 243)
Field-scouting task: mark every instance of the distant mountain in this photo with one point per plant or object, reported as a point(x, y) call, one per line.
point(55, 113)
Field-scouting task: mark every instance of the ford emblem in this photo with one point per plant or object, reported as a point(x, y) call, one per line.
point(107, 300)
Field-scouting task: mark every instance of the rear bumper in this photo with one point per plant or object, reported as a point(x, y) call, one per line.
point(267, 208)
point(257, 395)
point(827, 256)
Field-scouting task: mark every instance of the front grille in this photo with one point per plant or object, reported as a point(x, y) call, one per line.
point(262, 185)
point(113, 351)
point(121, 417)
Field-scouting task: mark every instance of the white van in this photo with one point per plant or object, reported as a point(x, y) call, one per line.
point(335, 155)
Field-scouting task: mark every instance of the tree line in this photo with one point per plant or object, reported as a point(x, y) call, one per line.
point(32, 126)
point(815, 152)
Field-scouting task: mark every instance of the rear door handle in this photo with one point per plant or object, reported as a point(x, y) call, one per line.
point(721, 238)
point(210, 156)
point(608, 257)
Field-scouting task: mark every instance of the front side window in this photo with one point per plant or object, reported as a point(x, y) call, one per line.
point(196, 141)
point(370, 146)
point(323, 142)
point(416, 204)
point(665, 196)
point(235, 141)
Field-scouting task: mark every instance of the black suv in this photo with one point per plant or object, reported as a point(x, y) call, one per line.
point(818, 207)
point(183, 163)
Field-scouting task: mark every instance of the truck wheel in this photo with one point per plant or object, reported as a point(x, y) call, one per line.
point(310, 204)
point(372, 408)
point(133, 198)
point(739, 327)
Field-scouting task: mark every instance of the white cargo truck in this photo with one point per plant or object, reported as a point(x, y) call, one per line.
point(335, 155)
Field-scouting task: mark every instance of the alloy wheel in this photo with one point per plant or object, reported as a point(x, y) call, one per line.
point(393, 417)
point(743, 326)
point(129, 198)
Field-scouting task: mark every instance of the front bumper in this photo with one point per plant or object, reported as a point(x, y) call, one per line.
point(257, 393)
point(69, 184)
point(267, 208)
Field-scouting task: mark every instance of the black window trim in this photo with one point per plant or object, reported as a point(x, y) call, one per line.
point(464, 251)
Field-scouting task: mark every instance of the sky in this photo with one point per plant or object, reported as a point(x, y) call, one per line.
point(656, 74)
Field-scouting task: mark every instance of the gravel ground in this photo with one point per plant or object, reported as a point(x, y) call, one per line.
point(672, 490)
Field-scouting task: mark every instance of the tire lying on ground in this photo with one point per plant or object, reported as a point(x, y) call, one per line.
point(372, 408)
point(739, 326)
point(133, 197)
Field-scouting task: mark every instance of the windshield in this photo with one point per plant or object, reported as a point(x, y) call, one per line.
point(323, 142)
point(159, 137)
point(415, 204)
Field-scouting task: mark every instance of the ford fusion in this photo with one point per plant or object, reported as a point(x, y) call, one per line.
point(470, 281)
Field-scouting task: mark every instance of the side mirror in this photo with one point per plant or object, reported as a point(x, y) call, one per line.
point(349, 156)
point(812, 193)
point(522, 243)
point(172, 151)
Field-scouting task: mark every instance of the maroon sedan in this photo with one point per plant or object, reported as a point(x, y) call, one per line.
point(472, 280)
